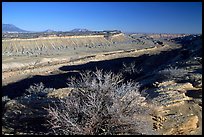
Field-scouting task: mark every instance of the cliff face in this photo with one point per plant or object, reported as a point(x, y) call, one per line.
point(34, 45)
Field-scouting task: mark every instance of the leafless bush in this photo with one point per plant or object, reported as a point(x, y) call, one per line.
point(131, 68)
point(173, 73)
point(101, 104)
point(5, 99)
point(37, 90)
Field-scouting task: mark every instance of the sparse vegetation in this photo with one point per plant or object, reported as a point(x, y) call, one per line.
point(101, 105)
point(100, 102)
point(131, 68)
point(173, 73)
point(5, 99)
point(37, 90)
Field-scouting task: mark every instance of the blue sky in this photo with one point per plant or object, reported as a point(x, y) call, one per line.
point(158, 17)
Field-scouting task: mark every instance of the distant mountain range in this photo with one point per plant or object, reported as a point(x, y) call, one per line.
point(49, 31)
point(10, 28)
point(79, 30)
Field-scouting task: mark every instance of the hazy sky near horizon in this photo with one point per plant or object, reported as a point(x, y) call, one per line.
point(153, 17)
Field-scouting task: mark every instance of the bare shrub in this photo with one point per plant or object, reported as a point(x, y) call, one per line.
point(37, 90)
point(5, 99)
point(131, 68)
point(25, 113)
point(101, 104)
point(173, 73)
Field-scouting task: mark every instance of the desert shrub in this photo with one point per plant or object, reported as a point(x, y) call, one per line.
point(5, 99)
point(101, 104)
point(25, 113)
point(173, 73)
point(131, 68)
point(37, 90)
